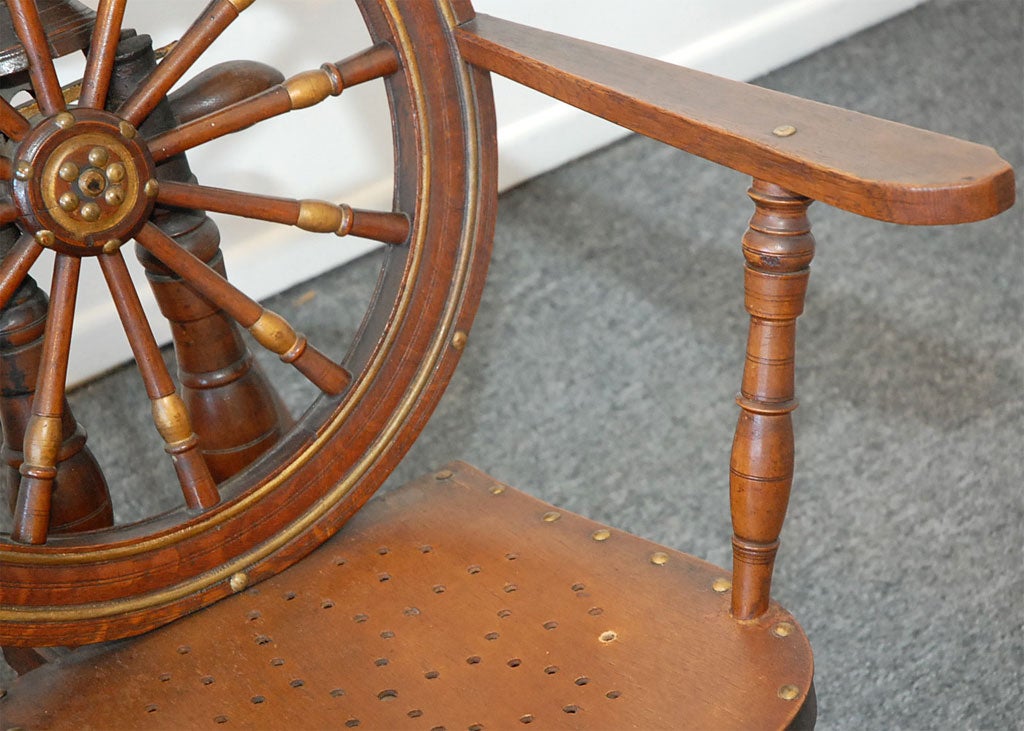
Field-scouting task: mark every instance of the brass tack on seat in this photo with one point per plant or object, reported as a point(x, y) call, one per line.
point(459, 339)
point(497, 490)
point(602, 534)
point(789, 692)
point(784, 130)
point(239, 581)
point(551, 516)
point(721, 585)
point(443, 475)
point(659, 558)
point(783, 629)
point(609, 636)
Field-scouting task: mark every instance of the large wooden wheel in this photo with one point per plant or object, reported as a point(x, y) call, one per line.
point(80, 179)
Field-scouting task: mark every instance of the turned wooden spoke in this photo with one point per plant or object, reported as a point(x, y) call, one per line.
point(29, 28)
point(309, 215)
point(217, 16)
point(43, 434)
point(268, 328)
point(303, 90)
point(16, 265)
point(6, 167)
point(12, 123)
point(169, 412)
point(102, 50)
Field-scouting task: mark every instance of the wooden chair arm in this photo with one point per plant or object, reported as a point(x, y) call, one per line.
point(862, 164)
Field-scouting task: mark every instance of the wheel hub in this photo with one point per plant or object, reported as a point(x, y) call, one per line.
point(83, 183)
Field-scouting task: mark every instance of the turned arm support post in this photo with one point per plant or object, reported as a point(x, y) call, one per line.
point(778, 247)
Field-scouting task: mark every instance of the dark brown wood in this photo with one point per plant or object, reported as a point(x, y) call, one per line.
point(68, 24)
point(30, 30)
point(452, 602)
point(12, 123)
point(269, 329)
point(310, 215)
point(16, 264)
point(8, 212)
point(105, 35)
point(211, 22)
point(778, 248)
point(169, 412)
point(136, 577)
point(42, 438)
point(911, 176)
point(220, 85)
point(299, 92)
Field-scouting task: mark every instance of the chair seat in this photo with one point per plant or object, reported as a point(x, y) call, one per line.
point(453, 602)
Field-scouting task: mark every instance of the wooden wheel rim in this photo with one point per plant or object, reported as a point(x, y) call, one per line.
point(349, 443)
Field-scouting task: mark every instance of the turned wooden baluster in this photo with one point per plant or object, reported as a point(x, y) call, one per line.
point(80, 499)
point(778, 248)
point(235, 411)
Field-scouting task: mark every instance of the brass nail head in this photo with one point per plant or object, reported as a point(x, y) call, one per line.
point(112, 246)
point(64, 120)
point(90, 212)
point(45, 238)
point(608, 636)
point(114, 195)
point(239, 581)
point(784, 130)
point(68, 171)
point(721, 585)
point(497, 490)
point(115, 172)
point(602, 534)
point(783, 629)
point(99, 156)
point(68, 201)
point(659, 558)
point(443, 475)
point(126, 129)
point(551, 516)
point(459, 339)
point(152, 187)
point(23, 170)
point(789, 692)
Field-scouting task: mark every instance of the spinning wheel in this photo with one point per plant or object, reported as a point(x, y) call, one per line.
point(81, 179)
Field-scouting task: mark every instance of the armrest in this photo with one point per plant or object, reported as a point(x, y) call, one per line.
point(862, 164)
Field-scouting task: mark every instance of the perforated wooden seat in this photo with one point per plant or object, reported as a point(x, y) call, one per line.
point(455, 602)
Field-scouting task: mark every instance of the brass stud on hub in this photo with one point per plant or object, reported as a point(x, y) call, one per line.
point(99, 156)
point(90, 212)
point(115, 172)
point(64, 120)
point(68, 201)
point(126, 129)
point(45, 238)
point(152, 187)
point(114, 195)
point(23, 170)
point(112, 246)
point(68, 172)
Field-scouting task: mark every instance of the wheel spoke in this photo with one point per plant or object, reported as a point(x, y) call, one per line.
point(300, 91)
point(30, 31)
point(43, 431)
point(268, 328)
point(309, 215)
point(102, 49)
point(217, 16)
point(12, 123)
point(8, 212)
point(169, 413)
point(16, 265)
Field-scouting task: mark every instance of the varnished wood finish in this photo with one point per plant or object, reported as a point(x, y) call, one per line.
point(132, 578)
point(219, 86)
point(778, 248)
point(449, 603)
point(30, 30)
point(68, 25)
point(12, 124)
point(910, 176)
point(102, 49)
point(299, 92)
point(212, 21)
point(17, 263)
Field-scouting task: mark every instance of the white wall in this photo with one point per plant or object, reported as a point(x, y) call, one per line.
point(740, 39)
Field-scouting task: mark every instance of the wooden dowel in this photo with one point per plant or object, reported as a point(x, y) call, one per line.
point(16, 265)
point(13, 125)
point(102, 50)
point(269, 329)
point(214, 19)
point(169, 412)
point(43, 434)
point(309, 215)
point(32, 34)
point(300, 91)
point(778, 248)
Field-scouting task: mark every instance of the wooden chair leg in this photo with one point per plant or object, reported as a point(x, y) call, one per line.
point(778, 248)
point(235, 411)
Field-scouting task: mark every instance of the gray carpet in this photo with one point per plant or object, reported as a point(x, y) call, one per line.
point(601, 370)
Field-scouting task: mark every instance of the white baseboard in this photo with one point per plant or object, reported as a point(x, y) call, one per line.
point(548, 136)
